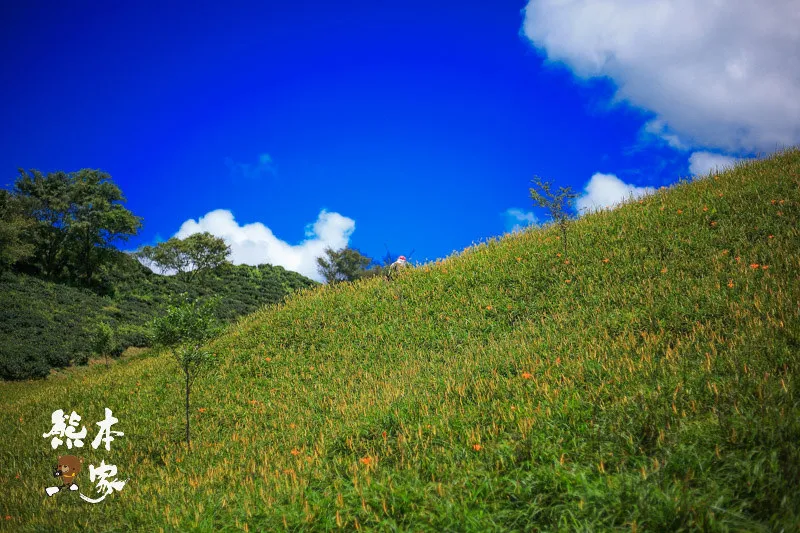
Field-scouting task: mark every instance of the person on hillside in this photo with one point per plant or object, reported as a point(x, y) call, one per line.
point(394, 268)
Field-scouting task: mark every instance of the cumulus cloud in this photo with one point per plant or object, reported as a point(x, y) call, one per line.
point(702, 163)
point(263, 167)
point(517, 219)
point(717, 74)
point(605, 191)
point(254, 243)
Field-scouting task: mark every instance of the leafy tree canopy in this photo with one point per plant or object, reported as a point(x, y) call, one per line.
point(196, 253)
point(78, 217)
point(347, 264)
point(14, 224)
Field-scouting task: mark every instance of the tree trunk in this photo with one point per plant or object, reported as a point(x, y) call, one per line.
point(188, 444)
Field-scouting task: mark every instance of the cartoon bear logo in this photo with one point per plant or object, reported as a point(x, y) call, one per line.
point(68, 468)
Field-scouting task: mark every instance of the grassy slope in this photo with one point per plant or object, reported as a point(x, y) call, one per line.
point(506, 388)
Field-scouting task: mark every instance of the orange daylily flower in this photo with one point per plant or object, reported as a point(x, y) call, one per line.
point(567, 281)
point(606, 260)
point(488, 307)
point(730, 283)
point(519, 259)
point(202, 409)
point(268, 359)
point(713, 223)
point(754, 266)
point(476, 447)
point(705, 208)
point(664, 270)
point(680, 211)
point(558, 254)
point(771, 236)
point(366, 460)
point(764, 267)
point(566, 262)
point(295, 451)
point(527, 375)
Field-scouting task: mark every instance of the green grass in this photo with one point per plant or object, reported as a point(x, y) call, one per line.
point(646, 382)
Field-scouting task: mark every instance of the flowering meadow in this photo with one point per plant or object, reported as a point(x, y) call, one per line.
point(648, 380)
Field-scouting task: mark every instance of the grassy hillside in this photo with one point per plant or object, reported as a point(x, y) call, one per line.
point(646, 382)
point(46, 325)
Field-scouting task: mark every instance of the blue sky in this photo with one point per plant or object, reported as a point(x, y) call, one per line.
point(285, 127)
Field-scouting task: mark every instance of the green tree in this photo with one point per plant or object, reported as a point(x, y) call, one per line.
point(196, 253)
point(166, 256)
point(204, 251)
point(347, 264)
point(79, 217)
point(15, 228)
point(102, 340)
point(47, 201)
point(98, 220)
point(558, 204)
point(184, 330)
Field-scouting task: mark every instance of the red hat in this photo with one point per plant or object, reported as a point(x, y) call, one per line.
point(401, 258)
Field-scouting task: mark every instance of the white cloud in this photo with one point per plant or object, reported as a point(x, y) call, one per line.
point(517, 219)
point(702, 163)
point(254, 243)
point(719, 74)
point(606, 191)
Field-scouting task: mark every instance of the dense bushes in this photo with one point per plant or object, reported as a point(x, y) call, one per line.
point(45, 325)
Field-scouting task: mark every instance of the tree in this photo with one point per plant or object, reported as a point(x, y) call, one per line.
point(205, 251)
point(166, 256)
point(196, 253)
point(558, 205)
point(347, 264)
point(79, 217)
point(103, 340)
point(184, 330)
point(15, 225)
point(47, 201)
point(98, 220)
